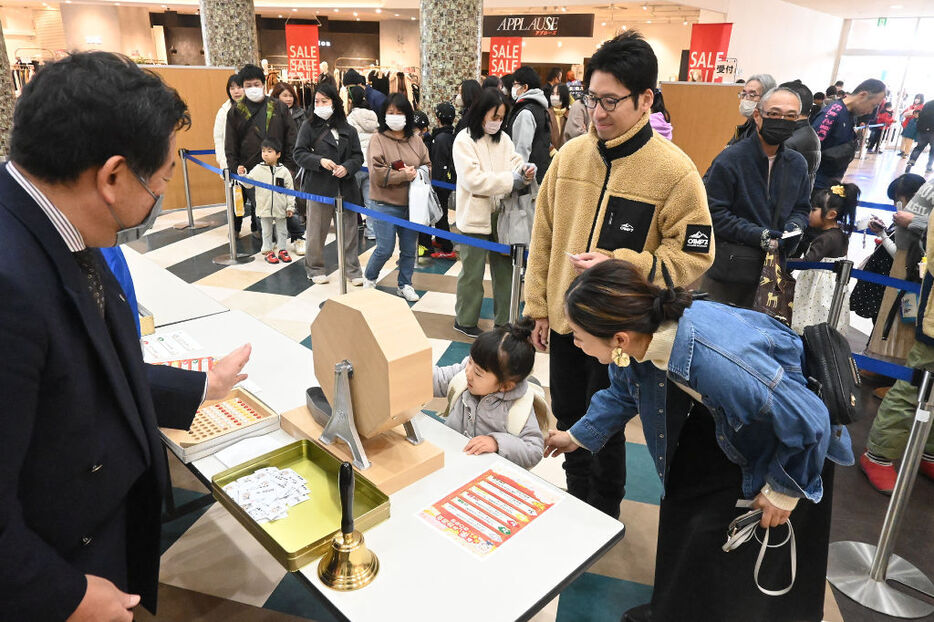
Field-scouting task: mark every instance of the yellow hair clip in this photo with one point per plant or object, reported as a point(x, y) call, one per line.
point(840, 191)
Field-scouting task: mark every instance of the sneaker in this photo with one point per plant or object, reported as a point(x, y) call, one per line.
point(882, 477)
point(436, 243)
point(271, 257)
point(298, 247)
point(284, 257)
point(368, 284)
point(320, 279)
point(441, 255)
point(357, 282)
point(471, 331)
point(422, 250)
point(408, 292)
point(927, 468)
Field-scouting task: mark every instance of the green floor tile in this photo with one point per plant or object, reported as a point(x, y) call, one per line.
point(597, 598)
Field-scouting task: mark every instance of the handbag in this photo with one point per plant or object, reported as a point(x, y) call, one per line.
point(737, 263)
point(866, 298)
point(776, 293)
point(515, 216)
point(424, 207)
point(830, 369)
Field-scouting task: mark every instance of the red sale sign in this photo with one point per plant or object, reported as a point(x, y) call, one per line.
point(302, 44)
point(709, 45)
point(505, 55)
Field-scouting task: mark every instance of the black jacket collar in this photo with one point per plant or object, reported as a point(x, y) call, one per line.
point(628, 147)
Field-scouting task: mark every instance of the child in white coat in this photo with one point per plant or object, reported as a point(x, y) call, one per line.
point(272, 208)
point(490, 399)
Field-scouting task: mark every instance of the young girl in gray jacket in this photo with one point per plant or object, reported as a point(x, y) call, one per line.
point(490, 399)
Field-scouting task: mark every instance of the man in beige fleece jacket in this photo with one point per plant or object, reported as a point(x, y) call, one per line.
point(620, 191)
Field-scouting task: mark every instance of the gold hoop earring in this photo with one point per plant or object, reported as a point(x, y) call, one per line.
point(620, 358)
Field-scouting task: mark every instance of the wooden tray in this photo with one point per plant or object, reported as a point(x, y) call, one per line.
point(307, 532)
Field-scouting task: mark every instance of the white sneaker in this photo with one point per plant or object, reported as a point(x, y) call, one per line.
point(321, 279)
point(407, 292)
point(368, 284)
point(298, 247)
point(357, 282)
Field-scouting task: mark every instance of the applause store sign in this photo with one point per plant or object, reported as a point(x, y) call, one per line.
point(562, 25)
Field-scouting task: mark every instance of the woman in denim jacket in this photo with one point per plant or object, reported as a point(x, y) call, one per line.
point(727, 416)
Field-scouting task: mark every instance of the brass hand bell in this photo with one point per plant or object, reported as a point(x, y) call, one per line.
point(348, 564)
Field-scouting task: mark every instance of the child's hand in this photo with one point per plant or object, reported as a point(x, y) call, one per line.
point(481, 445)
point(241, 170)
point(559, 443)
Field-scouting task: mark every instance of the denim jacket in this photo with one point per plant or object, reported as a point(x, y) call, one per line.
point(747, 368)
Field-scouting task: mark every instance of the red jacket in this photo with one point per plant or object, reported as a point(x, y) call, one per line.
point(885, 117)
point(909, 112)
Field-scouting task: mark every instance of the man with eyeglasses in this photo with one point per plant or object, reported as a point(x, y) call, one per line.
point(749, 97)
point(835, 129)
point(757, 190)
point(620, 191)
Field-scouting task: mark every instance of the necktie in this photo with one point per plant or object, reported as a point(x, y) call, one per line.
point(89, 266)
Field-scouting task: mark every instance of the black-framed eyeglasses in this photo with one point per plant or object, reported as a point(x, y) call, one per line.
point(606, 102)
point(774, 114)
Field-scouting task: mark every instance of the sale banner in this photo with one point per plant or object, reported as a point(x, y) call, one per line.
point(505, 55)
point(301, 42)
point(709, 46)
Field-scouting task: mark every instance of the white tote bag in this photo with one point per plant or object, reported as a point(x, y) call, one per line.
point(424, 208)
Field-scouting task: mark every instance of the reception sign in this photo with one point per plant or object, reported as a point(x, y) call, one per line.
point(709, 46)
point(302, 44)
point(505, 55)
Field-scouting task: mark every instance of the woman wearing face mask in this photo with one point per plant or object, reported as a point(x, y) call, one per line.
point(234, 92)
point(753, 90)
point(560, 100)
point(488, 168)
point(328, 149)
point(728, 417)
point(469, 93)
point(395, 155)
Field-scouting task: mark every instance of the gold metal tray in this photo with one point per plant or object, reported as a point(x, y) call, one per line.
point(307, 532)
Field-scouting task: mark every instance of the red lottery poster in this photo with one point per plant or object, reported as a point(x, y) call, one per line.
point(301, 42)
point(505, 55)
point(489, 510)
point(709, 45)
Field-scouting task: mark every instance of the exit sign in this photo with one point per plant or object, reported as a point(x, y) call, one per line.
point(881, 21)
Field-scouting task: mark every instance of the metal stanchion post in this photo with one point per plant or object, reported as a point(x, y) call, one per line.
point(861, 570)
point(232, 258)
point(191, 217)
point(339, 225)
point(517, 252)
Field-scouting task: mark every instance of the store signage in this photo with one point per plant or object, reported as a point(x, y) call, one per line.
point(709, 45)
point(301, 40)
point(725, 71)
point(505, 55)
point(561, 25)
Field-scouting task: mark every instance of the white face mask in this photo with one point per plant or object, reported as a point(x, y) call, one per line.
point(556, 100)
point(515, 92)
point(395, 122)
point(491, 127)
point(458, 101)
point(324, 112)
point(746, 106)
point(255, 94)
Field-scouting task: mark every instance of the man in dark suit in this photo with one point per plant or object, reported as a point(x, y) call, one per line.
point(81, 467)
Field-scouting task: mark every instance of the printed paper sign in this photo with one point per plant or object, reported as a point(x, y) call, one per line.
point(301, 41)
point(172, 345)
point(505, 55)
point(485, 513)
point(725, 71)
point(709, 46)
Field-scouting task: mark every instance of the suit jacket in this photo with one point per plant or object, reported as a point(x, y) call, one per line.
point(81, 466)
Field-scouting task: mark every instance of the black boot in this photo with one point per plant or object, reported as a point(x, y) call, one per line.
point(642, 613)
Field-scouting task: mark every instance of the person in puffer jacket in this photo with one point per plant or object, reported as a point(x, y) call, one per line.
point(487, 390)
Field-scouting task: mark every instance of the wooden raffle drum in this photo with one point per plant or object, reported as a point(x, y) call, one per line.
point(390, 382)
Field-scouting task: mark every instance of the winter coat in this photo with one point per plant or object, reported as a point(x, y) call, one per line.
point(387, 184)
point(316, 142)
point(442, 155)
point(366, 123)
point(270, 204)
point(530, 130)
point(488, 415)
point(805, 142)
point(243, 138)
point(487, 171)
point(220, 131)
point(660, 125)
point(578, 121)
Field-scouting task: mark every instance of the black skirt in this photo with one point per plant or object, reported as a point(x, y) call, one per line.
point(695, 579)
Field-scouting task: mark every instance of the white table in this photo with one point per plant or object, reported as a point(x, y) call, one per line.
point(167, 297)
point(512, 583)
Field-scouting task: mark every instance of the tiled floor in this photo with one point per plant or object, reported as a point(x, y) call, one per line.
point(212, 570)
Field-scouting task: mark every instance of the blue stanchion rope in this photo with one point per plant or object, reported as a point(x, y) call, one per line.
point(862, 275)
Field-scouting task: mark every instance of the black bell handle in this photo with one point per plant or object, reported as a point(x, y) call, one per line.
point(346, 484)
